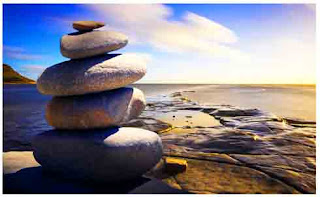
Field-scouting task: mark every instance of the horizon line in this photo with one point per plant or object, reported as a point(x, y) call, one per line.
point(175, 83)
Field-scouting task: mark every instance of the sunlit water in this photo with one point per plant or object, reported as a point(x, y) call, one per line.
point(24, 106)
point(283, 100)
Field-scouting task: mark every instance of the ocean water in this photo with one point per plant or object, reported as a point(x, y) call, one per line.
point(24, 106)
point(297, 101)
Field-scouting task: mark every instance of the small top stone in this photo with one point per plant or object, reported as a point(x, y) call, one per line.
point(86, 25)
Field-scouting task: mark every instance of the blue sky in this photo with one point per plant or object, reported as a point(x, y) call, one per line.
point(182, 43)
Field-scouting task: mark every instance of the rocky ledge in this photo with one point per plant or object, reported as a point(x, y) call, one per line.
point(231, 149)
point(222, 149)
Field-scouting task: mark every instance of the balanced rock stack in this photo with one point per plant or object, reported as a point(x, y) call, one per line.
point(89, 103)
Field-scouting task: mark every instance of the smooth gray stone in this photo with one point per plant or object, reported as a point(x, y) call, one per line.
point(87, 44)
point(100, 110)
point(111, 155)
point(96, 74)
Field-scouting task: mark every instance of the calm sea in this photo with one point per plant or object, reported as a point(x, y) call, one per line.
point(23, 105)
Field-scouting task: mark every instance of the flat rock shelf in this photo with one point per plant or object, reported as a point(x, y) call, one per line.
point(236, 150)
point(241, 151)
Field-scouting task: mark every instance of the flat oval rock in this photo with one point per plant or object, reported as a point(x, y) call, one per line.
point(86, 25)
point(90, 75)
point(87, 44)
point(100, 110)
point(110, 155)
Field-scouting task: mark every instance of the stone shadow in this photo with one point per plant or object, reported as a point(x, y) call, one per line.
point(37, 181)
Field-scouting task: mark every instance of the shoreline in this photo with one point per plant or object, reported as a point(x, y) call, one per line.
point(165, 93)
point(244, 84)
point(9, 83)
point(292, 119)
point(200, 84)
point(232, 143)
point(266, 98)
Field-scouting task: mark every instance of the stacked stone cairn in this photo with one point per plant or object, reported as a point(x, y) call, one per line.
point(90, 102)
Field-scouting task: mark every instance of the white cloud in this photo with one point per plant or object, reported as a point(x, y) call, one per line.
point(193, 41)
point(151, 23)
point(281, 60)
point(145, 56)
point(20, 53)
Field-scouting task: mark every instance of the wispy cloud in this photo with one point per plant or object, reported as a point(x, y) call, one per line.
point(311, 7)
point(283, 60)
point(20, 53)
point(192, 40)
point(13, 49)
point(152, 24)
point(32, 70)
point(61, 24)
point(63, 20)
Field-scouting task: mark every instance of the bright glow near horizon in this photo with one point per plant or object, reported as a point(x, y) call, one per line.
point(268, 44)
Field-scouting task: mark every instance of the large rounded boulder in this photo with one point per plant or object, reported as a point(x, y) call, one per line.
point(115, 154)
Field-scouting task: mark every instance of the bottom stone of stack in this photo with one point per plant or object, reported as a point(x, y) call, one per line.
point(109, 155)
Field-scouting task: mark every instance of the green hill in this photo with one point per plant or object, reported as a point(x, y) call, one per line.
point(10, 76)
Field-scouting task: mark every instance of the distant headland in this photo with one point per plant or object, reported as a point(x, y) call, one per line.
point(10, 76)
